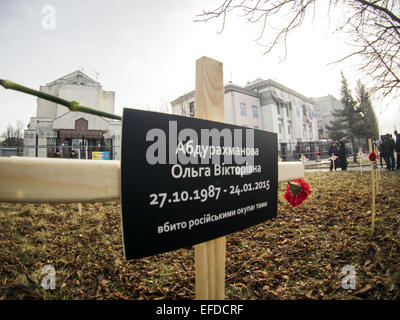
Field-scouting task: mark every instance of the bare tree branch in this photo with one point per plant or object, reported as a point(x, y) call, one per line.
point(372, 26)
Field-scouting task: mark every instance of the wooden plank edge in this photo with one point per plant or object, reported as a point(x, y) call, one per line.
point(25, 179)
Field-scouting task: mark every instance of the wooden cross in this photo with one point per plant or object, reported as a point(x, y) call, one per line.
point(67, 181)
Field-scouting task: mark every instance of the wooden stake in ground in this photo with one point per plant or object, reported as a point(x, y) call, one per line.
point(333, 158)
point(378, 171)
point(360, 154)
point(210, 256)
point(373, 189)
point(303, 161)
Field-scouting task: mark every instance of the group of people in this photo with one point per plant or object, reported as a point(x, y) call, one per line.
point(72, 154)
point(387, 147)
point(339, 154)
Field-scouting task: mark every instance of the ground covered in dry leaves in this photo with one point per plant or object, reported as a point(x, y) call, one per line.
point(298, 255)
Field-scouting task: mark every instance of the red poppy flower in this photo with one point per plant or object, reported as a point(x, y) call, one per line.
point(372, 156)
point(297, 191)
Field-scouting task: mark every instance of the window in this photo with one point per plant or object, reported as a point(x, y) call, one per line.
point(280, 126)
point(288, 128)
point(287, 110)
point(77, 142)
point(255, 111)
point(51, 147)
point(278, 110)
point(304, 111)
point(108, 142)
point(191, 109)
point(320, 133)
point(243, 109)
point(51, 141)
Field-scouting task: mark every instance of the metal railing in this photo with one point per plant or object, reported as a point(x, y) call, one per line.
point(81, 152)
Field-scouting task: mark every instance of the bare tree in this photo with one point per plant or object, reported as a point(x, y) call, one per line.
point(19, 130)
point(164, 105)
point(13, 135)
point(375, 31)
point(373, 27)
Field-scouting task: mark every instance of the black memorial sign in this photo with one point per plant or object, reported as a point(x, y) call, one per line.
point(185, 181)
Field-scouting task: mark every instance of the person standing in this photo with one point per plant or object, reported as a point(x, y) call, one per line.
point(392, 146)
point(385, 150)
point(57, 154)
point(397, 149)
point(388, 149)
point(381, 152)
point(73, 155)
point(342, 156)
point(333, 151)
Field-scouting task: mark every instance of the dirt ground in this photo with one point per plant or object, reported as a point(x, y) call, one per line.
point(298, 255)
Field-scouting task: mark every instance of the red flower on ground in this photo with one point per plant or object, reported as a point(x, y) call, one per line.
point(297, 191)
point(372, 156)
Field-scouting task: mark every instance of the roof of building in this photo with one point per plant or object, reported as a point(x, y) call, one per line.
point(260, 83)
point(234, 87)
point(227, 88)
point(251, 88)
point(76, 77)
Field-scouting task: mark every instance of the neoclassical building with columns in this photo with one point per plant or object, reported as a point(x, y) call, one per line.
point(55, 128)
point(266, 105)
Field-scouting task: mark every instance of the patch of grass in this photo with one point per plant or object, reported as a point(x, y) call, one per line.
point(297, 255)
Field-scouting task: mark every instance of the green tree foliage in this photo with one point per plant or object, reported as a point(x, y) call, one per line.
point(347, 123)
point(370, 127)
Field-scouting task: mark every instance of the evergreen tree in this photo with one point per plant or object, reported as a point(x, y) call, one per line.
point(347, 124)
point(370, 127)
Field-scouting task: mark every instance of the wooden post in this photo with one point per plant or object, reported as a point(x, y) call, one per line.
point(80, 208)
point(377, 174)
point(333, 158)
point(210, 256)
point(378, 171)
point(303, 161)
point(373, 189)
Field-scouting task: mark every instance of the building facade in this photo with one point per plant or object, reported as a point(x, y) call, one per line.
point(324, 106)
point(266, 105)
point(55, 128)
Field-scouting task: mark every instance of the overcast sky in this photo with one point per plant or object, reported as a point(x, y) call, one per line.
point(145, 51)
